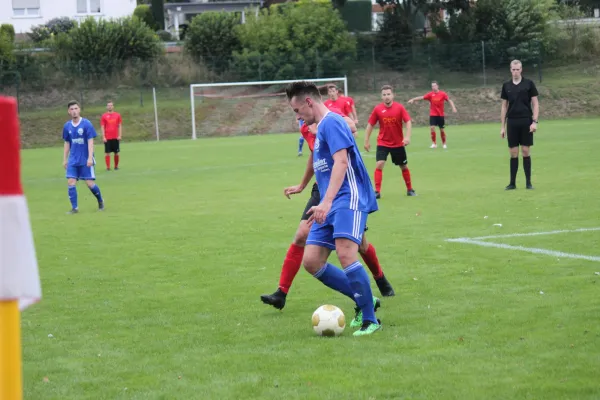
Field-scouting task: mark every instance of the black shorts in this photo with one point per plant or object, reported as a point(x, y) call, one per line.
point(518, 132)
point(112, 146)
point(440, 122)
point(398, 154)
point(315, 199)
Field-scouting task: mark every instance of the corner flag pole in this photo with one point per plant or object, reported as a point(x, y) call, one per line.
point(19, 278)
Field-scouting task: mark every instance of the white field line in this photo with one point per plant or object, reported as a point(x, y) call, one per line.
point(512, 235)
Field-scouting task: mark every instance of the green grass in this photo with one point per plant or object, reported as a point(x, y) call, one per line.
point(158, 297)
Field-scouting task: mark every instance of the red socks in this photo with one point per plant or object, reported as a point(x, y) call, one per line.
point(291, 266)
point(433, 136)
point(116, 161)
point(378, 179)
point(370, 258)
point(107, 160)
point(443, 135)
point(406, 176)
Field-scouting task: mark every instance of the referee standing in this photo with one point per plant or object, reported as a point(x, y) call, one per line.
point(519, 116)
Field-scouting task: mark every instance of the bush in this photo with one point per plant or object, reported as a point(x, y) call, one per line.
point(42, 33)
point(104, 46)
point(307, 38)
point(165, 36)
point(9, 31)
point(211, 38)
point(144, 13)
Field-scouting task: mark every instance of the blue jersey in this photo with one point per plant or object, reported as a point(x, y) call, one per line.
point(78, 137)
point(356, 193)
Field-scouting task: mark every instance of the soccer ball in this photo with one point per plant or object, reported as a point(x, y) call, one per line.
point(328, 320)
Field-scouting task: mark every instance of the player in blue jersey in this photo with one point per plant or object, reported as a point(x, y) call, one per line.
point(79, 134)
point(347, 198)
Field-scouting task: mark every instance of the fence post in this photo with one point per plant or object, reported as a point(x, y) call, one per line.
point(373, 65)
point(483, 62)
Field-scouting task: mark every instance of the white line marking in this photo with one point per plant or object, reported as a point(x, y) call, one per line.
point(526, 249)
point(511, 235)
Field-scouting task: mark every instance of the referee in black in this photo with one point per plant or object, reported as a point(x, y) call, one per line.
point(519, 116)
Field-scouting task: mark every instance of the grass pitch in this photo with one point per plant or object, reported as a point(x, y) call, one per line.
point(158, 297)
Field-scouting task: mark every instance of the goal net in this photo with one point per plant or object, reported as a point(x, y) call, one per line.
point(246, 108)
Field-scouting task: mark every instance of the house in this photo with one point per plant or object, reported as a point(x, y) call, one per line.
point(25, 14)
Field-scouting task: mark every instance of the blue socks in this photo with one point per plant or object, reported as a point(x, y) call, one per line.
point(359, 282)
point(300, 144)
point(96, 192)
point(73, 196)
point(335, 279)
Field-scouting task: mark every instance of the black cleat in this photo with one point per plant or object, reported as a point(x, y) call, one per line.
point(116, 168)
point(377, 195)
point(385, 288)
point(529, 186)
point(411, 193)
point(277, 299)
point(101, 206)
point(73, 211)
point(510, 187)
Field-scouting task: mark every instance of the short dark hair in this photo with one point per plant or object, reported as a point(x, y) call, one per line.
point(302, 88)
point(387, 87)
point(72, 103)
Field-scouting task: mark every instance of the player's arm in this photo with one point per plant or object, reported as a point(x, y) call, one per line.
point(90, 160)
point(368, 132)
point(503, 118)
point(416, 99)
point(351, 124)
point(408, 133)
point(66, 150)
point(308, 174)
point(452, 104)
point(102, 124)
point(354, 113)
point(120, 128)
point(533, 92)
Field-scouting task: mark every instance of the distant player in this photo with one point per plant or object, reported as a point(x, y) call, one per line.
point(78, 160)
point(437, 99)
point(112, 131)
point(519, 113)
point(336, 101)
point(353, 115)
point(391, 139)
point(347, 199)
point(293, 258)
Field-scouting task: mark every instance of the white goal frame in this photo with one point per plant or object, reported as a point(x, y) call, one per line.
point(227, 84)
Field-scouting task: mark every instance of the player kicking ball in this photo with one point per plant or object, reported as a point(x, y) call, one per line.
point(293, 258)
point(78, 156)
point(347, 198)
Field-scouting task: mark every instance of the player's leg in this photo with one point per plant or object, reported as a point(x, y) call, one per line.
point(400, 158)
point(293, 258)
point(89, 175)
point(107, 154)
point(369, 256)
point(526, 143)
point(442, 126)
point(380, 156)
point(300, 145)
point(116, 149)
point(432, 126)
point(348, 226)
point(72, 176)
point(513, 139)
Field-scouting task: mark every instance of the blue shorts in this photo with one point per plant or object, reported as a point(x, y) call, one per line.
point(341, 223)
point(81, 172)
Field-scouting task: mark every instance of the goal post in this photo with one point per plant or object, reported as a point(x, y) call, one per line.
point(231, 91)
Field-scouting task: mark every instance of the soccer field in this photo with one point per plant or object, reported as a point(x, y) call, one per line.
point(158, 296)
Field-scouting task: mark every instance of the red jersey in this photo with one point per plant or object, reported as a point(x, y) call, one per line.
point(341, 103)
point(437, 101)
point(111, 122)
point(390, 124)
point(348, 100)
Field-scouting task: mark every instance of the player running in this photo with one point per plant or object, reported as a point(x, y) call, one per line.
point(112, 131)
point(293, 258)
point(437, 99)
point(347, 199)
point(78, 156)
point(391, 139)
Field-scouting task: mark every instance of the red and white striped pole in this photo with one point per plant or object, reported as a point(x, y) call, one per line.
point(19, 278)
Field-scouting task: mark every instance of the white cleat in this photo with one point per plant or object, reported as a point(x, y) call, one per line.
point(433, 146)
point(445, 147)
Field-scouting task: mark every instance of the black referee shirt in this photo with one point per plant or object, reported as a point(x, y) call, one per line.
point(519, 98)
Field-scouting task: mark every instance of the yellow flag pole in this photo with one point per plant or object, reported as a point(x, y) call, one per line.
point(11, 378)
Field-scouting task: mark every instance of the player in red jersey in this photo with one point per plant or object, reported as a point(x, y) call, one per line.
point(293, 258)
point(112, 131)
point(336, 101)
point(391, 138)
point(350, 101)
point(437, 99)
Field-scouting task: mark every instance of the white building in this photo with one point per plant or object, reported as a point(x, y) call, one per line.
point(25, 14)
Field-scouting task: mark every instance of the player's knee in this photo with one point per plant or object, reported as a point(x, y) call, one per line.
point(525, 151)
point(90, 184)
point(379, 164)
point(403, 167)
point(364, 246)
point(514, 152)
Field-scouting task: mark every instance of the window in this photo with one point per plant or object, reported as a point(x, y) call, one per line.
point(89, 6)
point(26, 8)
